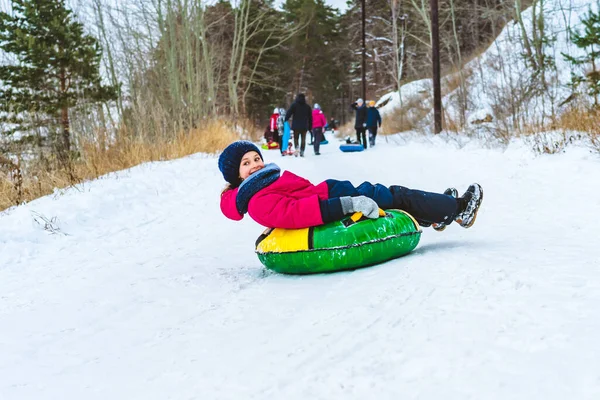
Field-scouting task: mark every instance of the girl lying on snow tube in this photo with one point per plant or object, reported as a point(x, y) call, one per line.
point(289, 201)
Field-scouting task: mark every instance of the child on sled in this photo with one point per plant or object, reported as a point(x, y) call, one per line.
point(286, 200)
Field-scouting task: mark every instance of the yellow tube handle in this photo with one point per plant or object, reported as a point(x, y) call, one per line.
point(358, 215)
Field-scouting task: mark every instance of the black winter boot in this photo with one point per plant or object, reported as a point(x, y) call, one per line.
point(469, 206)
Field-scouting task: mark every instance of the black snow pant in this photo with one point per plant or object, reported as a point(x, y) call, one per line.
point(280, 140)
point(372, 134)
point(425, 207)
point(300, 134)
point(318, 138)
point(361, 136)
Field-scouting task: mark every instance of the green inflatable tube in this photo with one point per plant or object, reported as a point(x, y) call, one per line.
point(339, 245)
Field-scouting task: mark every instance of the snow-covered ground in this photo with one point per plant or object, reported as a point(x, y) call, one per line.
point(500, 75)
point(148, 292)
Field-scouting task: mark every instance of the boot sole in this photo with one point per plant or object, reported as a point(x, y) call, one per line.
point(476, 211)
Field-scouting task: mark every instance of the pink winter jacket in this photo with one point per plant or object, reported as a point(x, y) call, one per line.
point(290, 202)
point(273, 122)
point(319, 119)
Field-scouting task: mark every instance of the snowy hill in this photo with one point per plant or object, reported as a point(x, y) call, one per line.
point(145, 291)
point(496, 79)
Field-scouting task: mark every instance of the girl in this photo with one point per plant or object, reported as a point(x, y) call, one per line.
point(286, 200)
point(318, 127)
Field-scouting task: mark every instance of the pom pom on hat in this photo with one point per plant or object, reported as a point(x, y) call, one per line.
point(231, 157)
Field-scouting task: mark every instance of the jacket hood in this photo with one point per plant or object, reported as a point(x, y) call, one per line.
point(300, 98)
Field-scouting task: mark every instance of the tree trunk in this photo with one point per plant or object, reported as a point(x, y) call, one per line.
point(525, 37)
point(64, 117)
point(462, 92)
point(594, 71)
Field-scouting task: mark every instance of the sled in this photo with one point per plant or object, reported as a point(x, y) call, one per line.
point(352, 147)
point(270, 146)
point(287, 133)
point(351, 243)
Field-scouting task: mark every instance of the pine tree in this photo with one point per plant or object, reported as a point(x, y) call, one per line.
point(589, 40)
point(57, 66)
point(311, 52)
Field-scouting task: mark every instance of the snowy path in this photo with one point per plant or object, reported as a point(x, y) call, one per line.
point(153, 294)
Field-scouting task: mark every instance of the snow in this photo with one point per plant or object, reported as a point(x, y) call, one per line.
point(388, 102)
point(134, 286)
point(499, 75)
point(147, 292)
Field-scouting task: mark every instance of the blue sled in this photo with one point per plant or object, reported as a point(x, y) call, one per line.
point(287, 134)
point(348, 148)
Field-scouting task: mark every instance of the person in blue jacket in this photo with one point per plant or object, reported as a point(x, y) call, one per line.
point(373, 122)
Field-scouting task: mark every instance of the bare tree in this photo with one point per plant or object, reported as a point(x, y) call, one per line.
point(462, 87)
point(398, 40)
point(251, 23)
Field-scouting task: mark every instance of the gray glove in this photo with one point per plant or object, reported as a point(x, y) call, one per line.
point(362, 204)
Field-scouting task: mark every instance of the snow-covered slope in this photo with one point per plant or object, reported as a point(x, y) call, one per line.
point(497, 79)
point(147, 292)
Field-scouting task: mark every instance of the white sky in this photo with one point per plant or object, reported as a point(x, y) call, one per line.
point(339, 4)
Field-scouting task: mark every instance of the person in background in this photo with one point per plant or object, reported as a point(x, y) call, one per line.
point(274, 131)
point(360, 123)
point(318, 122)
point(373, 121)
point(301, 115)
point(282, 146)
point(332, 125)
point(268, 135)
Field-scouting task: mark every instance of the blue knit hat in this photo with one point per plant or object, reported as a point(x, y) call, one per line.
point(231, 157)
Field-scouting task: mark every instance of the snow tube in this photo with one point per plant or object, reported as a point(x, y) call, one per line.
point(350, 243)
point(324, 141)
point(351, 147)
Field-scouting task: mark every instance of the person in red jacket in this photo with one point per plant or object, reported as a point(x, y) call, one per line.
point(272, 132)
point(277, 200)
point(319, 122)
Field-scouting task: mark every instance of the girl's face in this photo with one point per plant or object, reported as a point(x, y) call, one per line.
point(251, 162)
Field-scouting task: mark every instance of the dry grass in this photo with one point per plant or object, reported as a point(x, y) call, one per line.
point(409, 116)
point(572, 125)
point(580, 120)
point(347, 129)
point(452, 80)
point(19, 184)
point(451, 125)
